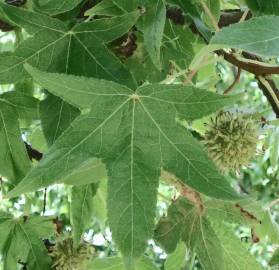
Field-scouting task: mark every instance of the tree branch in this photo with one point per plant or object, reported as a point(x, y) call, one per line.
point(255, 67)
point(236, 79)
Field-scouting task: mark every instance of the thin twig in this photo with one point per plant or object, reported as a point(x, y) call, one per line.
point(245, 14)
point(273, 203)
point(236, 79)
point(164, 197)
point(210, 15)
point(45, 200)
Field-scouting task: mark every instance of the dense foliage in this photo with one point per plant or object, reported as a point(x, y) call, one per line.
point(139, 134)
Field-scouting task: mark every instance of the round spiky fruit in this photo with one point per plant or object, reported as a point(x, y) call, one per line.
point(231, 140)
point(66, 257)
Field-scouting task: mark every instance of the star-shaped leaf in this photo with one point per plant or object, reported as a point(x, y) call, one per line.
point(23, 242)
point(136, 135)
point(57, 47)
point(213, 242)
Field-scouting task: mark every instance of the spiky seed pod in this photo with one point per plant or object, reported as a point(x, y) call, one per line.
point(66, 257)
point(231, 140)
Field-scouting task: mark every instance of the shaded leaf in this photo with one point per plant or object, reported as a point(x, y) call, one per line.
point(263, 6)
point(275, 258)
point(56, 116)
point(259, 35)
point(81, 209)
point(153, 29)
point(100, 202)
point(195, 230)
point(176, 260)
point(25, 105)
point(236, 256)
point(13, 156)
point(91, 171)
point(105, 8)
point(53, 7)
point(57, 47)
point(24, 243)
point(115, 263)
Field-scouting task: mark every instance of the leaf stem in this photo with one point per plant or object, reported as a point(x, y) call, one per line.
point(210, 15)
point(269, 89)
point(273, 203)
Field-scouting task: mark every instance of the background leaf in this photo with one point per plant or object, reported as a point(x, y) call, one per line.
point(258, 35)
point(82, 209)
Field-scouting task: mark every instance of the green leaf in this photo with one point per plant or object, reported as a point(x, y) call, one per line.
point(176, 260)
point(155, 101)
point(232, 212)
point(259, 35)
point(263, 6)
point(152, 24)
point(100, 202)
point(43, 227)
point(91, 171)
point(214, 7)
point(135, 134)
point(195, 230)
point(56, 116)
point(13, 156)
point(247, 212)
point(32, 22)
point(105, 8)
point(81, 209)
point(188, 6)
point(267, 226)
point(115, 263)
point(25, 105)
point(76, 50)
point(275, 258)
point(236, 256)
point(24, 243)
point(153, 29)
point(168, 231)
point(53, 7)
point(200, 237)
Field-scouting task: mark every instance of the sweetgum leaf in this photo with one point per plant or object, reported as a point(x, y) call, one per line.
point(153, 29)
point(207, 233)
point(236, 255)
point(13, 156)
point(259, 35)
point(116, 263)
point(105, 8)
point(25, 105)
point(259, 7)
point(24, 242)
point(135, 134)
point(91, 171)
point(58, 47)
point(56, 116)
point(53, 7)
point(81, 209)
point(176, 260)
point(152, 24)
point(246, 211)
point(196, 231)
